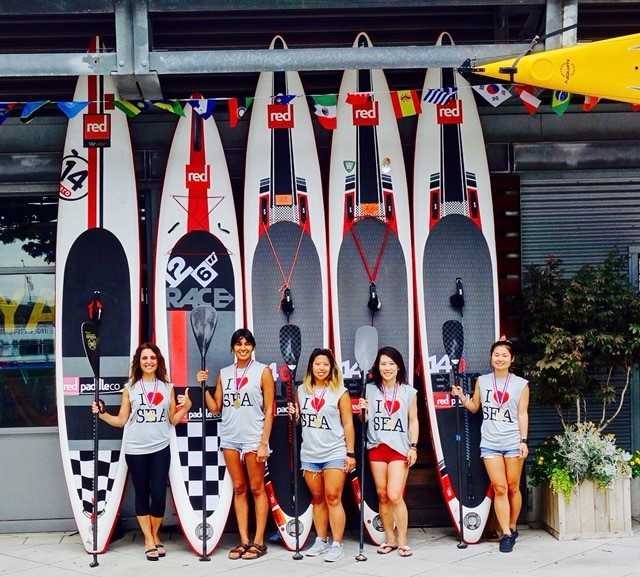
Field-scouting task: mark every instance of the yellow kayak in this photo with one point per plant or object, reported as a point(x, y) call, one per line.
point(606, 69)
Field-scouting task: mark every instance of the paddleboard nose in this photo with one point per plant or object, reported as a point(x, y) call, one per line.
point(278, 43)
point(362, 41)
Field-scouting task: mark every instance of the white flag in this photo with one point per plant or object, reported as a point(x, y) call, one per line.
point(494, 94)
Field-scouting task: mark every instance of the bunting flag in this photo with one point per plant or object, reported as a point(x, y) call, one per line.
point(406, 103)
point(439, 95)
point(72, 108)
point(131, 109)
point(326, 110)
point(359, 98)
point(30, 108)
point(528, 97)
point(203, 107)
point(590, 102)
point(173, 106)
point(560, 101)
point(5, 110)
point(236, 111)
point(635, 107)
point(283, 98)
point(494, 94)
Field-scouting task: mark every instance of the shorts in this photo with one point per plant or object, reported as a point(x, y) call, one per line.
point(319, 467)
point(385, 454)
point(242, 448)
point(487, 453)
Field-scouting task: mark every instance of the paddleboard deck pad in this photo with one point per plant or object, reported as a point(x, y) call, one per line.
point(97, 250)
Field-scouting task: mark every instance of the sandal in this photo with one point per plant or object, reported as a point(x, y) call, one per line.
point(162, 552)
point(238, 551)
point(386, 548)
point(149, 556)
point(254, 551)
point(405, 551)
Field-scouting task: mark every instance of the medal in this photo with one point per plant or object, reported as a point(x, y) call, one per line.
point(238, 381)
point(501, 397)
point(236, 403)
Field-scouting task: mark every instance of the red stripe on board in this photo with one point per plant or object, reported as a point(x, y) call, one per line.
point(197, 178)
point(178, 353)
point(92, 197)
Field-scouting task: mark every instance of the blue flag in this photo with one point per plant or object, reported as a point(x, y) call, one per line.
point(30, 108)
point(283, 98)
point(72, 108)
point(203, 107)
point(5, 110)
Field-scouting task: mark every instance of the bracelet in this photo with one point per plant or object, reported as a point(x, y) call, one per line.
point(414, 445)
point(351, 454)
point(524, 440)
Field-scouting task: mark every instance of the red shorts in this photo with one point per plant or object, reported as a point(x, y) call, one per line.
point(385, 454)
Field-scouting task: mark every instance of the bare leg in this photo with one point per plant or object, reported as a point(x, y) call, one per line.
point(333, 485)
point(397, 473)
point(315, 482)
point(156, 523)
point(256, 482)
point(145, 524)
point(239, 480)
point(514, 470)
point(379, 473)
point(496, 470)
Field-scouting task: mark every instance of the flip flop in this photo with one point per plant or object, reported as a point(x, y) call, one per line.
point(405, 551)
point(151, 557)
point(162, 552)
point(386, 548)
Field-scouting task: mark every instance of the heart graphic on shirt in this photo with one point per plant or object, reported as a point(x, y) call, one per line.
point(241, 382)
point(317, 404)
point(501, 397)
point(392, 406)
point(155, 398)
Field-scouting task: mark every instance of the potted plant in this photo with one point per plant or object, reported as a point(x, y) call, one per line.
point(581, 337)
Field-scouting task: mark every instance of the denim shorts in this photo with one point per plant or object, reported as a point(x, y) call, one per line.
point(487, 453)
point(319, 467)
point(242, 448)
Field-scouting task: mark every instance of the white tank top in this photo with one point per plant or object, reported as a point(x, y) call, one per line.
point(322, 432)
point(148, 428)
point(388, 421)
point(242, 404)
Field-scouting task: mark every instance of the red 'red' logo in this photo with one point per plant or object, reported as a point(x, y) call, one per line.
point(365, 113)
point(97, 130)
point(197, 175)
point(442, 400)
point(449, 113)
point(280, 116)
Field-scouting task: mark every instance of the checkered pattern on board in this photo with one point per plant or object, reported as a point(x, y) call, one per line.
point(82, 468)
point(189, 440)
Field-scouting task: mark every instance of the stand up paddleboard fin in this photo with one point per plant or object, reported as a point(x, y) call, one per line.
point(286, 304)
point(457, 298)
point(374, 304)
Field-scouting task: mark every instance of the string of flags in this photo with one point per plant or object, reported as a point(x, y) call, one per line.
point(406, 103)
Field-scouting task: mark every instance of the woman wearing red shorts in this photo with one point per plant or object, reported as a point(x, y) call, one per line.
point(392, 435)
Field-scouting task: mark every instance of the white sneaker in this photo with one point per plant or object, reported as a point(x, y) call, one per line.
point(318, 548)
point(335, 553)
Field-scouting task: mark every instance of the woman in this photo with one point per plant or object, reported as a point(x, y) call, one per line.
point(392, 437)
point(504, 398)
point(244, 395)
point(147, 411)
point(327, 450)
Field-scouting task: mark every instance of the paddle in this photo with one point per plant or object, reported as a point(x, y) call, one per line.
point(365, 349)
point(90, 333)
point(453, 340)
point(290, 348)
point(204, 320)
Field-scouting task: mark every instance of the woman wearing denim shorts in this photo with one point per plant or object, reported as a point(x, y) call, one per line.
point(244, 395)
point(327, 450)
point(504, 399)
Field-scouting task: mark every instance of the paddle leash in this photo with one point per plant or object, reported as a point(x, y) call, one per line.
point(90, 331)
point(365, 349)
point(204, 320)
point(290, 348)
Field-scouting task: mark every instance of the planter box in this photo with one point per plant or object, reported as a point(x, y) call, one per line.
point(635, 497)
point(591, 512)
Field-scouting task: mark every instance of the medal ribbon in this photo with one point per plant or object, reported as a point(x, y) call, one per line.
point(144, 391)
point(389, 408)
point(235, 375)
point(500, 399)
point(318, 398)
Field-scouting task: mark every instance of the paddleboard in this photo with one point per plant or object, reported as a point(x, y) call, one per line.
point(97, 248)
point(369, 235)
point(606, 69)
point(285, 258)
point(454, 239)
point(197, 264)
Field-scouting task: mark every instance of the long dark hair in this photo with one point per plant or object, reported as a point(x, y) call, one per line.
point(245, 334)
point(395, 355)
point(335, 375)
point(136, 370)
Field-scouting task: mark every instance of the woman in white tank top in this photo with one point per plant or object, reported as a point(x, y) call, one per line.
point(244, 395)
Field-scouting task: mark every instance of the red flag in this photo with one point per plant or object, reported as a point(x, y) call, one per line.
point(358, 98)
point(234, 116)
point(635, 107)
point(590, 102)
point(406, 103)
point(527, 95)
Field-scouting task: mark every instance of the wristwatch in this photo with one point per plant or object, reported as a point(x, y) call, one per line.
point(414, 445)
point(524, 440)
point(351, 454)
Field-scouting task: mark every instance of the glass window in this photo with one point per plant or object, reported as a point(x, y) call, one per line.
point(27, 315)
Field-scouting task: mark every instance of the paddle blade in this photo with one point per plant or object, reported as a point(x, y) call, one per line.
point(366, 347)
point(90, 342)
point(203, 324)
point(290, 344)
point(453, 340)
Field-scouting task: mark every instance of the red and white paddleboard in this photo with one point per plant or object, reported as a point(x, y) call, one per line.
point(197, 265)
point(97, 249)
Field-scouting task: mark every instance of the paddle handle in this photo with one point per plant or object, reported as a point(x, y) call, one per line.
point(203, 367)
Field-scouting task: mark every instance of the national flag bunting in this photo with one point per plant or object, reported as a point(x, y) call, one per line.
point(528, 97)
point(30, 108)
point(494, 94)
point(590, 102)
point(72, 108)
point(359, 98)
point(203, 107)
point(560, 101)
point(635, 107)
point(173, 106)
point(236, 111)
point(439, 95)
point(5, 110)
point(283, 98)
point(131, 109)
point(326, 109)
point(406, 103)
